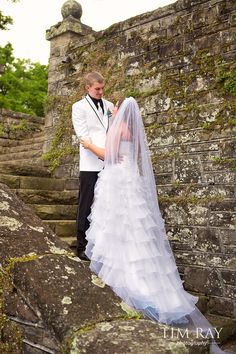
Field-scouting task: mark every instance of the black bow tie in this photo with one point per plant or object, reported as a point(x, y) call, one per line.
point(98, 101)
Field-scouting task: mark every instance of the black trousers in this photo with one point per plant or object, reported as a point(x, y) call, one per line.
point(88, 180)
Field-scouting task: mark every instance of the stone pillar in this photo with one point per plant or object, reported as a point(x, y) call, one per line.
point(62, 36)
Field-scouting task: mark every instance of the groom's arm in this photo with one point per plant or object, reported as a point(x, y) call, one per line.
point(79, 121)
point(98, 151)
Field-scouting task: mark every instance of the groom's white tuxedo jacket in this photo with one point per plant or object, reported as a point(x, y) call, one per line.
point(87, 122)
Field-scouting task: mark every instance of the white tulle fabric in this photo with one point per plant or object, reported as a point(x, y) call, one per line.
point(127, 242)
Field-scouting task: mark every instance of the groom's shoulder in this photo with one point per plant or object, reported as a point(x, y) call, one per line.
point(79, 103)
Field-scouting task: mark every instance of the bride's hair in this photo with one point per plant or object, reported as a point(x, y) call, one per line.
point(120, 101)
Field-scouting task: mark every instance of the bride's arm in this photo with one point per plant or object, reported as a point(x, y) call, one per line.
point(98, 151)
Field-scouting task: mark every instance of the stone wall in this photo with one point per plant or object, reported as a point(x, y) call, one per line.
point(17, 125)
point(179, 63)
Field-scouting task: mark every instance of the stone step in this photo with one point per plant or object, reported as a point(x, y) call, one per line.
point(44, 183)
point(24, 168)
point(28, 154)
point(24, 162)
point(35, 138)
point(225, 325)
point(54, 212)
point(8, 142)
point(62, 228)
point(70, 240)
point(36, 196)
point(22, 148)
point(41, 184)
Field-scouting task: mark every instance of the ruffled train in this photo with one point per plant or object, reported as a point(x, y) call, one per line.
point(129, 253)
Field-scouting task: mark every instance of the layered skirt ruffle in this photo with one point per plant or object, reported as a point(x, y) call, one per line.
point(129, 250)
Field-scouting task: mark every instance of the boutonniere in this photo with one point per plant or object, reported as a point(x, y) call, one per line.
point(109, 114)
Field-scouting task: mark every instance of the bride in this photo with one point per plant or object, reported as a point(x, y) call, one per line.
point(127, 242)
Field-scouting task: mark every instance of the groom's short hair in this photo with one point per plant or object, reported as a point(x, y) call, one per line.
point(92, 77)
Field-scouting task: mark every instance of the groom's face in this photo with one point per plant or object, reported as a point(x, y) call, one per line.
point(96, 90)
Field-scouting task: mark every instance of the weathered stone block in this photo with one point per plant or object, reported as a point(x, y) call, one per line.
point(30, 196)
point(11, 181)
point(20, 226)
point(55, 212)
point(72, 184)
point(41, 183)
point(120, 337)
point(206, 240)
point(223, 219)
point(66, 228)
point(229, 277)
point(221, 306)
point(203, 280)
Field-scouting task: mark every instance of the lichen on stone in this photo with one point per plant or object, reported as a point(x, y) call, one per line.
point(69, 270)
point(10, 223)
point(66, 300)
point(97, 281)
point(4, 205)
point(36, 228)
point(5, 195)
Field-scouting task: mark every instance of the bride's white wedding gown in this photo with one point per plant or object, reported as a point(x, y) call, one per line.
point(125, 249)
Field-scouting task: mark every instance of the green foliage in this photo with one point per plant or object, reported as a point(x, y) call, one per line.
point(189, 199)
point(61, 146)
point(5, 20)
point(225, 118)
point(14, 128)
point(227, 77)
point(22, 126)
point(2, 131)
point(23, 85)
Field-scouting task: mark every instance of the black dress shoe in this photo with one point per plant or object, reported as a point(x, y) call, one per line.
point(82, 256)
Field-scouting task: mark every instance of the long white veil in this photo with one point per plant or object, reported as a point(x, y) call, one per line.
point(126, 137)
point(128, 126)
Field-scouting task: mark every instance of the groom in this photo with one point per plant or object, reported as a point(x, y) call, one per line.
point(90, 117)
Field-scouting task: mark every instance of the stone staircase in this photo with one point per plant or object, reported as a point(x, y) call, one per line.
point(25, 172)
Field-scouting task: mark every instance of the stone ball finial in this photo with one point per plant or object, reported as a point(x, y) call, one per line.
point(71, 8)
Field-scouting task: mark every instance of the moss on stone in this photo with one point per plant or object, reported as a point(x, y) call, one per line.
point(61, 145)
point(227, 78)
point(15, 128)
point(50, 102)
point(21, 126)
point(225, 161)
point(2, 131)
point(11, 340)
point(189, 199)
